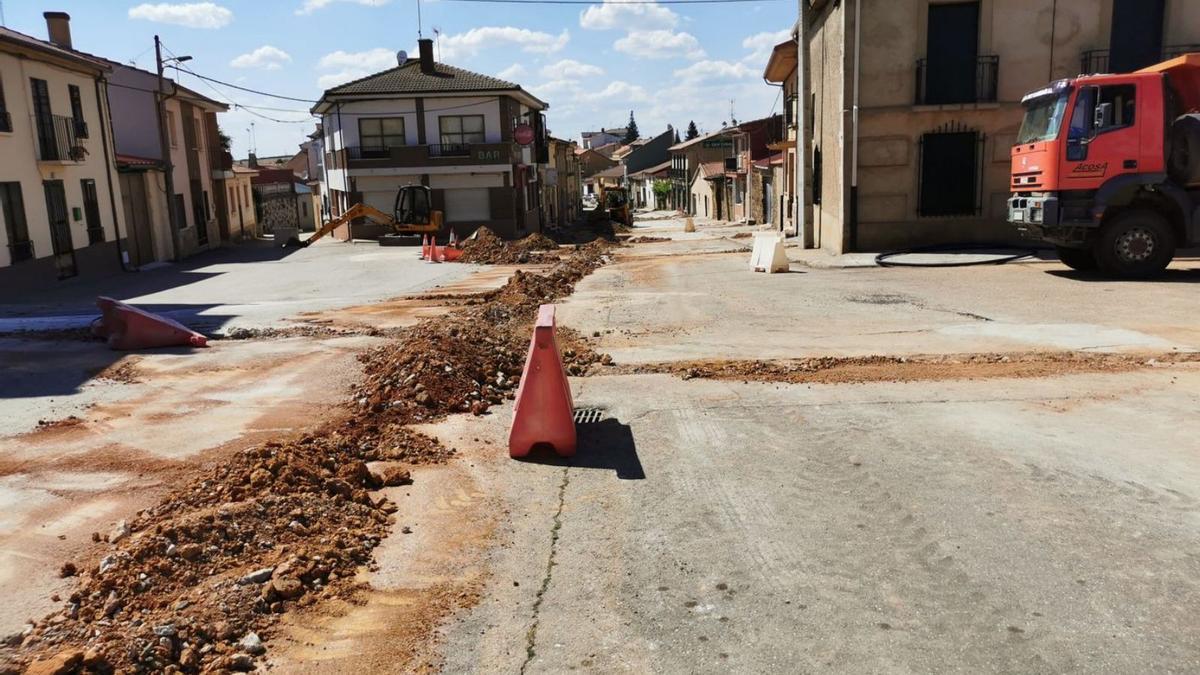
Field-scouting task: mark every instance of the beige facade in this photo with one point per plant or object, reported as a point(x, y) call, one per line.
point(243, 224)
point(1021, 45)
point(60, 215)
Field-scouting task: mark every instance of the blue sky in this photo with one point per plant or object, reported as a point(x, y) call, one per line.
point(592, 63)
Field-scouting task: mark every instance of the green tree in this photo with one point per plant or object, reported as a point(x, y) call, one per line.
point(631, 131)
point(662, 188)
point(692, 131)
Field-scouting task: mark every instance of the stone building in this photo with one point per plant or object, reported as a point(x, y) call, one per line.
point(937, 88)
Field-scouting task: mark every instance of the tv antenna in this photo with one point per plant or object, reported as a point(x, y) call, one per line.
point(437, 41)
point(419, 36)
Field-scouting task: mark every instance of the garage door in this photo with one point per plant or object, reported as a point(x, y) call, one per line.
point(464, 205)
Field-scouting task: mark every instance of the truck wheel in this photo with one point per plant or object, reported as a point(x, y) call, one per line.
point(1135, 245)
point(1183, 154)
point(1080, 259)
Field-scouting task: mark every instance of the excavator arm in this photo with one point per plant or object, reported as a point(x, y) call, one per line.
point(372, 213)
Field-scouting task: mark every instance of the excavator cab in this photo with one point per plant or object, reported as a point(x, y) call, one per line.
point(413, 205)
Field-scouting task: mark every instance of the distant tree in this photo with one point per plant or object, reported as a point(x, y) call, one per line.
point(692, 131)
point(662, 189)
point(224, 139)
point(631, 130)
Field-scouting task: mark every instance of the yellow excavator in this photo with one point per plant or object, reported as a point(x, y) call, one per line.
point(412, 214)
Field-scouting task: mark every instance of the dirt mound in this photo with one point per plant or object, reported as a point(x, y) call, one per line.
point(488, 248)
point(197, 583)
point(863, 369)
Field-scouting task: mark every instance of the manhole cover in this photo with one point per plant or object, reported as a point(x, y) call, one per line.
point(588, 415)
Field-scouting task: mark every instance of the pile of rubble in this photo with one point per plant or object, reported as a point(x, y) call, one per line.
point(487, 248)
point(646, 239)
point(196, 583)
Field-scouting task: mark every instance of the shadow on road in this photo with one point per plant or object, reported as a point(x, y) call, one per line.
point(1170, 276)
point(606, 444)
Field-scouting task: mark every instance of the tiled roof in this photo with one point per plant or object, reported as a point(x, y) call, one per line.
point(658, 168)
point(611, 172)
point(30, 42)
point(410, 79)
point(712, 169)
point(134, 160)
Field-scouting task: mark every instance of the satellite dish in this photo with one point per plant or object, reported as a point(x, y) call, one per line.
point(401, 57)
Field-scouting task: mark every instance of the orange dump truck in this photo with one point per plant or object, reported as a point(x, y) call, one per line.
point(1107, 168)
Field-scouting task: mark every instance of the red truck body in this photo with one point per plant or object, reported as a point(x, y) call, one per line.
point(1097, 147)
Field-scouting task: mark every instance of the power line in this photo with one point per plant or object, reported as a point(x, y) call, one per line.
point(623, 2)
point(246, 89)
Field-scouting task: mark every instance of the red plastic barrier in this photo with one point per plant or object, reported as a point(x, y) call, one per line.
point(451, 254)
point(127, 327)
point(544, 412)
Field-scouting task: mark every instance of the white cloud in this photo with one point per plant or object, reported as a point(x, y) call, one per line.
point(192, 15)
point(572, 89)
point(464, 45)
point(570, 68)
point(659, 44)
point(761, 44)
point(265, 57)
point(617, 14)
point(311, 6)
point(703, 71)
point(347, 66)
point(512, 73)
point(620, 91)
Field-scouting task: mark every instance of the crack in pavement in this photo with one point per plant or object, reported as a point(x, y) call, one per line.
point(531, 636)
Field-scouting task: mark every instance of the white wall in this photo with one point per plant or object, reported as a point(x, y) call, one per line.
point(18, 154)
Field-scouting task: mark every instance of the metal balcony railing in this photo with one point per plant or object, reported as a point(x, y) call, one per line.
point(981, 88)
point(58, 141)
point(1093, 61)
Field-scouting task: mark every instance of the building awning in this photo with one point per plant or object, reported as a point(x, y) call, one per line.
point(781, 63)
point(135, 162)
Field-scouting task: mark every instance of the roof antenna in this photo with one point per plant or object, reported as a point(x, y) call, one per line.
point(437, 41)
point(419, 36)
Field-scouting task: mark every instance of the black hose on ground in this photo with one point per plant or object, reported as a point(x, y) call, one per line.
point(885, 259)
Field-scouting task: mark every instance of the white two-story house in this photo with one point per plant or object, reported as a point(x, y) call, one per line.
point(475, 140)
point(60, 214)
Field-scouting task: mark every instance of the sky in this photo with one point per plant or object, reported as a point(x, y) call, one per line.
point(668, 64)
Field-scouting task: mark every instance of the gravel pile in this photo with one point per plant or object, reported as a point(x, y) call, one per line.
point(196, 583)
point(487, 248)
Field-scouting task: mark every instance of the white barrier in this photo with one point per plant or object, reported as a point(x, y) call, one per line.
point(768, 254)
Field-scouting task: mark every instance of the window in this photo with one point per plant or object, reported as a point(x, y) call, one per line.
point(531, 196)
point(1116, 107)
point(171, 129)
point(948, 74)
point(198, 133)
point(377, 135)
point(232, 199)
point(246, 195)
point(5, 118)
point(207, 211)
point(460, 129)
point(950, 169)
point(91, 210)
point(81, 130)
point(13, 209)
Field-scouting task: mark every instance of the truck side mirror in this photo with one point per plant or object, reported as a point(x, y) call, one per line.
point(1103, 117)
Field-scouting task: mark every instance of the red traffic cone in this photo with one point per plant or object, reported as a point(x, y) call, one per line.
point(425, 247)
point(543, 411)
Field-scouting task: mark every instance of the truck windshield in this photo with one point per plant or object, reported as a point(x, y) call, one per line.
point(1043, 117)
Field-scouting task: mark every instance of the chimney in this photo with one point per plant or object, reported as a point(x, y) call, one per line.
point(425, 45)
point(58, 27)
point(253, 161)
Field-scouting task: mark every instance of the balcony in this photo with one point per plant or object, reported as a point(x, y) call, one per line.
point(61, 140)
point(1094, 61)
point(5, 121)
point(373, 157)
point(953, 84)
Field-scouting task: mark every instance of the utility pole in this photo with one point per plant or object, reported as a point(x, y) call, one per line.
point(160, 97)
point(802, 226)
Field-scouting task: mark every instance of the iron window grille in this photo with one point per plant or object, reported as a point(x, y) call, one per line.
point(950, 171)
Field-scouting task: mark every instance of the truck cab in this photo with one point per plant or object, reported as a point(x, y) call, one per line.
point(1099, 168)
